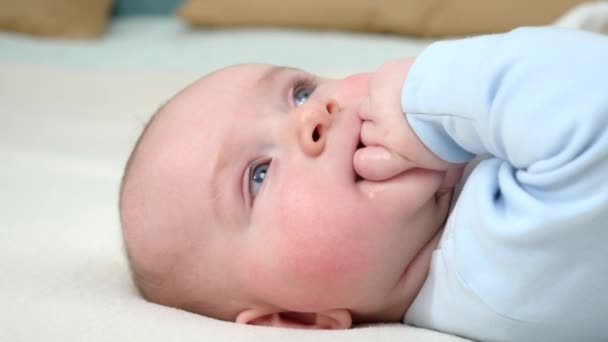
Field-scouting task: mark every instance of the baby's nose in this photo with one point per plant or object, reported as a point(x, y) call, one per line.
point(315, 119)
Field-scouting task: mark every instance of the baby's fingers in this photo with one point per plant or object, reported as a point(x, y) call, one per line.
point(376, 163)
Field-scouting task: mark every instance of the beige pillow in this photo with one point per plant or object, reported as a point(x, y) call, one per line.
point(63, 18)
point(412, 17)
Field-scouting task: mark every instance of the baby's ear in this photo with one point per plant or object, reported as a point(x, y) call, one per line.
point(331, 319)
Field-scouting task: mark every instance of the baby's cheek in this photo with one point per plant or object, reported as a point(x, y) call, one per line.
point(320, 251)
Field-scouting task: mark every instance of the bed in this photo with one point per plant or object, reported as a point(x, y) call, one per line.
point(70, 112)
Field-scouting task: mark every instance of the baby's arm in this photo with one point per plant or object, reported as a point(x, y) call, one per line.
point(527, 238)
point(519, 96)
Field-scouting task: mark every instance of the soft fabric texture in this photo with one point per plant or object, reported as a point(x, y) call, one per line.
point(412, 17)
point(523, 255)
point(57, 18)
point(590, 16)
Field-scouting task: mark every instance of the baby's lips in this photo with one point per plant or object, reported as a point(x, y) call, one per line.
point(377, 163)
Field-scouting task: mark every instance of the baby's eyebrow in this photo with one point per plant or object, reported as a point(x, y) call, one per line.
point(271, 74)
point(226, 215)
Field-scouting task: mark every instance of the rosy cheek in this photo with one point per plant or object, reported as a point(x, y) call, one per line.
point(319, 246)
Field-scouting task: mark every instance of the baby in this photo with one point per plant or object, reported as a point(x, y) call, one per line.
point(265, 195)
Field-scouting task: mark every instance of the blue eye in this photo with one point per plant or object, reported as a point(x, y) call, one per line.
point(257, 176)
point(300, 95)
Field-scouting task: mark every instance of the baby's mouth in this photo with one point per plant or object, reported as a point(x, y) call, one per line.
point(357, 177)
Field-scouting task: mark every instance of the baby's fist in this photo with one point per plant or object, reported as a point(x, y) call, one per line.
point(392, 146)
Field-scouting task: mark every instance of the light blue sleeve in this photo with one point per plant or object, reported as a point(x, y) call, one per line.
point(529, 232)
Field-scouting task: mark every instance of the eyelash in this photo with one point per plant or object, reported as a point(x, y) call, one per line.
point(303, 80)
point(251, 172)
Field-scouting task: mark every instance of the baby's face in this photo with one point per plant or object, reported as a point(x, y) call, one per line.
point(248, 194)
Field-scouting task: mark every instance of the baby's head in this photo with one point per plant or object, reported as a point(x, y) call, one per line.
point(240, 202)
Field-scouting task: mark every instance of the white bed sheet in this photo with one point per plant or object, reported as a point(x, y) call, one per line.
point(69, 113)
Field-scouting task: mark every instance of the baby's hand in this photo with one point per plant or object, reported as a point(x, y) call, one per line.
point(392, 147)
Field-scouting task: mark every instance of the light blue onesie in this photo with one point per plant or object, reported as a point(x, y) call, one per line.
point(524, 256)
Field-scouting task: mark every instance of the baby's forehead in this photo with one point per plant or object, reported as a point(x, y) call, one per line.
point(196, 120)
point(253, 76)
point(225, 92)
point(235, 75)
point(212, 89)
